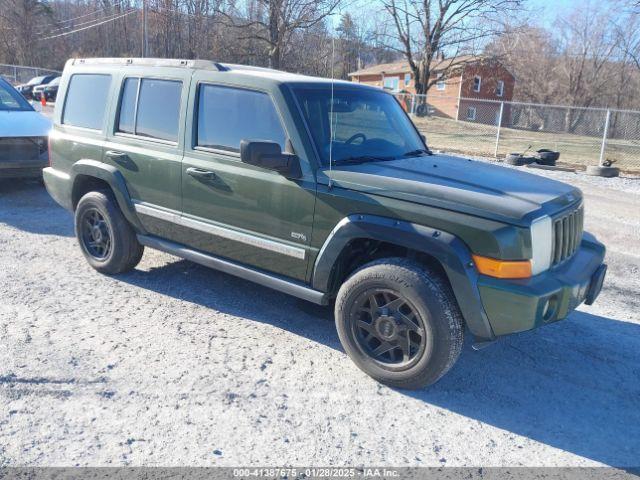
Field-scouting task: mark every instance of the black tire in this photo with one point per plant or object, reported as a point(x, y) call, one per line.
point(514, 159)
point(608, 172)
point(434, 311)
point(547, 157)
point(120, 250)
point(422, 110)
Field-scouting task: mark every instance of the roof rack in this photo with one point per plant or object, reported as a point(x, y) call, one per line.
point(152, 62)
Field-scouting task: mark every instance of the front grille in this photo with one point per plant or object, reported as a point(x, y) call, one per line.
point(567, 234)
point(21, 148)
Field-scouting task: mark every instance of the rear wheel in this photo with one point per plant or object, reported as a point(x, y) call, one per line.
point(107, 240)
point(399, 322)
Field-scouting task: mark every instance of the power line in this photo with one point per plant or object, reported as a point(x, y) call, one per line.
point(90, 26)
point(89, 14)
point(80, 24)
point(117, 4)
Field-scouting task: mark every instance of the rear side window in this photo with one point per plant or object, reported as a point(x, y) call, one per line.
point(86, 101)
point(228, 115)
point(157, 111)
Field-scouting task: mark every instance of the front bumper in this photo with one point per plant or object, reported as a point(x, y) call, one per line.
point(24, 169)
point(518, 305)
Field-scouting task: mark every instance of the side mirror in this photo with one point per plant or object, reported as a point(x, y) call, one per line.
point(269, 155)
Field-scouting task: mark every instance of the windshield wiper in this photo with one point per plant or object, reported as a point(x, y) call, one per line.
point(418, 152)
point(362, 159)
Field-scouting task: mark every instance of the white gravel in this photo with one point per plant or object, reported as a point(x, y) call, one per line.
point(174, 364)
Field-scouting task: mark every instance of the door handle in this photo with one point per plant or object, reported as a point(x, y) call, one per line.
point(200, 173)
point(119, 157)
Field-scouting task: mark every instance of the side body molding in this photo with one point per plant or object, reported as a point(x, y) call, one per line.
point(111, 175)
point(449, 250)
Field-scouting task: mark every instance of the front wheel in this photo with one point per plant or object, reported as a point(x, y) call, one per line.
point(107, 240)
point(399, 322)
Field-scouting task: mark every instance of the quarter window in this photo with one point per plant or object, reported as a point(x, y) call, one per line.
point(157, 111)
point(228, 115)
point(86, 101)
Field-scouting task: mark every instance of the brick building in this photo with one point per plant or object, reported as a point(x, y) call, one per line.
point(457, 93)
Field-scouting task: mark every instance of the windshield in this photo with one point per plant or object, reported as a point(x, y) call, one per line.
point(10, 99)
point(368, 125)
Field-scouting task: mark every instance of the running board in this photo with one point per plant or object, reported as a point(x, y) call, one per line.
point(267, 279)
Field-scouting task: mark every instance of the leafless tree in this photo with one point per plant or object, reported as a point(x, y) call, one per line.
point(17, 21)
point(423, 28)
point(274, 22)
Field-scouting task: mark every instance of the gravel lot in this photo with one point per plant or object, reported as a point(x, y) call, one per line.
point(175, 364)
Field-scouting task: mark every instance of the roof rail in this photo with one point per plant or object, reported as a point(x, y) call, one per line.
point(152, 62)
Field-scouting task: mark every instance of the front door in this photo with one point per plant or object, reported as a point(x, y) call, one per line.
point(242, 212)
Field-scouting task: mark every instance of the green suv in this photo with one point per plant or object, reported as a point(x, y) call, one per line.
point(323, 190)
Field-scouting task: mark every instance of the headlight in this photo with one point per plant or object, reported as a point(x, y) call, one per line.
point(541, 244)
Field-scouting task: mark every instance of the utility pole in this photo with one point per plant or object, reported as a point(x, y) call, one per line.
point(144, 29)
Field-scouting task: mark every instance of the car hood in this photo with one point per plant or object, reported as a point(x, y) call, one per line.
point(23, 124)
point(475, 187)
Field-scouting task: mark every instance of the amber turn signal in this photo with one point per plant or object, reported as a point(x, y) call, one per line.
point(501, 268)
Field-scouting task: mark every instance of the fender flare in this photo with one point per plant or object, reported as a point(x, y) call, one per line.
point(115, 179)
point(449, 250)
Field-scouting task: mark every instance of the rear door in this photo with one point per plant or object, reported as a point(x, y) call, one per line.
point(145, 143)
point(243, 212)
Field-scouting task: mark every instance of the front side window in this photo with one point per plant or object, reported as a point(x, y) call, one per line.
point(227, 115)
point(86, 101)
point(157, 111)
point(365, 124)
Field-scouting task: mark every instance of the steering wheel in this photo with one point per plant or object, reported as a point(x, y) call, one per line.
point(352, 138)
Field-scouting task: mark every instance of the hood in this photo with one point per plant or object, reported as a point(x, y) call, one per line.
point(23, 123)
point(458, 184)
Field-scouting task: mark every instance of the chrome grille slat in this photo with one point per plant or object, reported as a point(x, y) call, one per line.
point(567, 234)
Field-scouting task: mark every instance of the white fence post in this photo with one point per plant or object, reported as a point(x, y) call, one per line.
point(495, 154)
point(413, 104)
point(604, 136)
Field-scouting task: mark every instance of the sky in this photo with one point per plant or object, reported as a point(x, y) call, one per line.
point(543, 11)
point(551, 9)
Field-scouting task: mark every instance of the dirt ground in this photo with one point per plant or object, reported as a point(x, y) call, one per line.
point(175, 364)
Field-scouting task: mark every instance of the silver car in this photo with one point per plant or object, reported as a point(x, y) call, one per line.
point(23, 136)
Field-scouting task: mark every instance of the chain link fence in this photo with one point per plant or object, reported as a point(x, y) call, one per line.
point(17, 74)
point(583, 136)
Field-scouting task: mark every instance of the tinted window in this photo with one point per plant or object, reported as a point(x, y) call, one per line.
point(86, 101)
point(126, 120)
point(159, 109)
point(228, 115)
point(360, 124)
point(10, 99)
